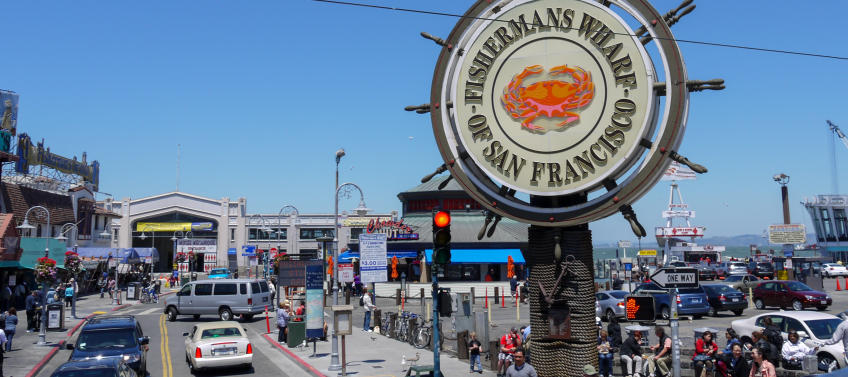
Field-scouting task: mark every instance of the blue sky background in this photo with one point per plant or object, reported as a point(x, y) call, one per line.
point(260, 94)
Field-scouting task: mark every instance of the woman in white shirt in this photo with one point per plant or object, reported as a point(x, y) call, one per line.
point(794, 350)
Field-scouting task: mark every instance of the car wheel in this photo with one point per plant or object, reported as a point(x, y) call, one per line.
point(665, 312)
point(759, 304)
point(225, 314)
point(247, 317)
point(610, 315)
point(796, 305)
point(172, 314)
point(697, 316)
point(196, 317)
point(737, 312)
point(713, 311)
point(825, 360)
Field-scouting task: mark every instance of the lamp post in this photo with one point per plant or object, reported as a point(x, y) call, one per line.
point(267, 229)
point(293, 213)
point(174, 238)
point(42, 334)
point(361, 210)
point(152, 241)
point(61, 237)
point(334, 352)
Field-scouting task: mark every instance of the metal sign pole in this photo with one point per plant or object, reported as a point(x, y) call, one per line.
point(675, 333)
point(437, 372)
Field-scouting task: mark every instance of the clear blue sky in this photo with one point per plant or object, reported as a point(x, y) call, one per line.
point(260, 94)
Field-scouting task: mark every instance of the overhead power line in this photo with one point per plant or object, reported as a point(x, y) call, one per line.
point(715, 44)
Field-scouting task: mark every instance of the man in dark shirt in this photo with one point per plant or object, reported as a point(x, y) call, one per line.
point(31, 304)
point(616, 282)
point(474, 353)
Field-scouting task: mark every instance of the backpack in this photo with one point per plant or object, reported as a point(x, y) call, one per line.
point(362, 300)
point(773, 337)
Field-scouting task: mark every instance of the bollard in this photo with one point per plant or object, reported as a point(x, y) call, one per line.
point(494, 350)
point(267, 321)
point(422, 298)
point(473, 300)
point(496, 295)
point(486, 299)
point(503, 300)
point(462, 345)
point(397, 297)
point(402, 300)
point(347, 297)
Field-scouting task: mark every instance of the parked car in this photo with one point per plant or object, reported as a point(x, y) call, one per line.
point(721, 297)
point(742, 282)
point(705, 271)
point(221, 297)
point(219, 273)
point(690, 301)
point(725, 269)
point(118, 336)
point(794, 294)
point(103, 367)
point(812, 328)
point(834, 269)
point(678, 263)
point(217, 344)
point(610, 304)
point(763, 270)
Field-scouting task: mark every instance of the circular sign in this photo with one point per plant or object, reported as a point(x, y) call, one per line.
point(554, 98)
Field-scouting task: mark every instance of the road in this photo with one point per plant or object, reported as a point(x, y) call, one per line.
point(166, 356)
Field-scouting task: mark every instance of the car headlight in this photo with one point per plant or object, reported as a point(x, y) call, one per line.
point(132, 358)
point(810, 297)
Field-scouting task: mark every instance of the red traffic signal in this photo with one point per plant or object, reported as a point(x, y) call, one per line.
point(639, 308)
point(442, 219)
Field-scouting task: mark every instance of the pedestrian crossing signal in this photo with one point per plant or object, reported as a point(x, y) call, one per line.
point(639, 308)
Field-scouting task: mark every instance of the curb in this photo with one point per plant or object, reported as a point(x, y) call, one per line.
point(37, 368)
point(296, 358)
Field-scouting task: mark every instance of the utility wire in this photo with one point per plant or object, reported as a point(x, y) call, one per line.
point(715, 44)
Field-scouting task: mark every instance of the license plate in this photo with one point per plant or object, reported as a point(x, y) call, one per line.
point(695, 301)
point(223, 352)
point(735, 300)
point(824, 302)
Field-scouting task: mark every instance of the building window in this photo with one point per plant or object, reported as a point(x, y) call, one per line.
point(38, 231)
point(311, 234)
point(355, 232)
point(825, 216)
point(259, 234)
point(232, 234)
point(841, 223)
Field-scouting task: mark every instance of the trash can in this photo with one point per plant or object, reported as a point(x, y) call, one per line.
point(297, 333)
point(133, 291)
point(55, 316)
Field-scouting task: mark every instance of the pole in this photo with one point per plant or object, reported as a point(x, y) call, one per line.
point(42, 334)
point(437, 372)
point(784, 194)
point(334, 352)
point(675, 333)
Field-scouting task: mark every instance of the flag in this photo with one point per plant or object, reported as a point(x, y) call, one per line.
point(677, 172)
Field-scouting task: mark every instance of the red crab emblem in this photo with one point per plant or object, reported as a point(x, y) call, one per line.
point(550, 98)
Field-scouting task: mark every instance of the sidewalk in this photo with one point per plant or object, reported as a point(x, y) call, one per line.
point(27, 357)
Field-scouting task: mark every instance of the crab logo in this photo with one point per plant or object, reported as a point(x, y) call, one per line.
point(549, 98)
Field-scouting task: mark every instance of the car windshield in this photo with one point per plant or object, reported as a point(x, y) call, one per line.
point(99, 372)
point(733, 278)
point(219, 271)
point(618, 294)
point(691, 290)
point(763, 265)
point(220, 332)
point(798, 286)
point(106, 339)
point(823, 328)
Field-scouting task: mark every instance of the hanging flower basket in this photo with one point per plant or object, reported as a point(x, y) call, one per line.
point(45, 270)
point(181, 257)
point(278, 258)
point(73, 263)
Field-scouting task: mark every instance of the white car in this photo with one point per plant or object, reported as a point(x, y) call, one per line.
point(834, 269)
point(217, 344)
point(812, 327)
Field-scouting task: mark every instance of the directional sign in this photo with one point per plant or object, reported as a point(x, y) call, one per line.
point(676, 278)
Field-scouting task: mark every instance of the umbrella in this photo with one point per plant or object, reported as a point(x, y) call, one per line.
point(330, 266)
point(510, 267)
point(394, 267)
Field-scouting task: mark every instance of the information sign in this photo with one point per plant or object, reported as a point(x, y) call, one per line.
point(373, 264)
point(314, 301)
point(346, 272)
point(292, 273)
point(676, 278)
point(787, 234)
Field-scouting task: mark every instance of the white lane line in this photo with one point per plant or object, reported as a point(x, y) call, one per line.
point(150, 311)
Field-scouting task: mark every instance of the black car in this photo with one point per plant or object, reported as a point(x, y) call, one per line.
point(722, 297)
point(118, 337)
point(108, 367)
point(762, 270)
point(706, 272)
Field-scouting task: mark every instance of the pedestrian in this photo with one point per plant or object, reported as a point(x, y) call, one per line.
point(299, 312)
point(605, 353)
point(513, 285)
point(69, 294)
point(589, 371)
point(662, 353)
point(735, 365)
point(616, 282)
point(101, 283)
point(5, 297)
point(366, 302)
point(840, 335)
point(175, 278)
point(509, 343)
point(772, 333)
point(20, 294)
point(31, 304)
point(283, 321)
point(111, 285)
point(491, 275)
point(474, 353)
point(520, 368)
point(10, 327)
point(357, 282)
point(760, 366)
point(770, 352)
point(704, 357)
point(793, 352)
point(614, 331)
point(631, 354)
point(2, 350)
point(723, 359)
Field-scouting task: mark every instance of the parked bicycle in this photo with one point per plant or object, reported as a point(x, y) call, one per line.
point(386, 325)
point(149, 296)
point(423, 335)
point(403, 331)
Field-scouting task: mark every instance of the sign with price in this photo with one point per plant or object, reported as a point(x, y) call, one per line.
point(373, 263)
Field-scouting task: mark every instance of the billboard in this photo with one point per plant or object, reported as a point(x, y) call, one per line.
point(38, 154)
point(198, 246)
point(782, 234)
point(173, 227)
point(372, 263)
point(9, 119)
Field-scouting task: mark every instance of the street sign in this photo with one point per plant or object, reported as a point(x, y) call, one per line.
point(676, 278)
point(639, 308)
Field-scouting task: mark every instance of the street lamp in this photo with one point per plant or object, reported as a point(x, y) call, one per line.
point(174, 238)
point(61, 237)
point(267, 229)
point(346, 190)
point(152, 242)
point(293, 213)
point(42, 334)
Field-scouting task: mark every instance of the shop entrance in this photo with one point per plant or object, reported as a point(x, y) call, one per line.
point(163, 232)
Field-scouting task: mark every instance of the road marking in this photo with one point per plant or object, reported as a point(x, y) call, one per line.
point(150, 311)
point(167, 368)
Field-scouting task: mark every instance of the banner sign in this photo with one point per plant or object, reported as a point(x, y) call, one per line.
point(198, 246)
point(787, 234)
point(360, 221)
point(29, 154)
point(173, 227)
point(292, 273)
point(647, 253)
point(394, 230)
point(248, 251)
point(9, 119)
point(667, 214)
point(314, 301)
point(346, 272)
point(695, 231)
point(677, 172)
point(372, 253)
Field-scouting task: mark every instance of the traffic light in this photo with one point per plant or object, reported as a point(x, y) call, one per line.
point(441, 237)
point(639, 308)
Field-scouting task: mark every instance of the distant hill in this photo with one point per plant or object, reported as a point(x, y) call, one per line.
point(740, 240)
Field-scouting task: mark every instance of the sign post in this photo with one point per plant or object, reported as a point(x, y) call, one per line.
point(672, 279)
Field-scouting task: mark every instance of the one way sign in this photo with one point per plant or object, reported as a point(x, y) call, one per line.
point(676, 278)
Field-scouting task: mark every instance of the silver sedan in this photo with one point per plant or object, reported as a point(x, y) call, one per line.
point(217, 344)
point(611, 304)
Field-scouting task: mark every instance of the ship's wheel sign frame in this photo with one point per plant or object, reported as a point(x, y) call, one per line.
point(558, 97)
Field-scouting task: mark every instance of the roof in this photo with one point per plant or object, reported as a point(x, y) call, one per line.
point(105, 212)
point(803, 315)
point(464, 229)
point(228, 281)
point(101, 363)
point(491, 256)
point(433, 185)
point(18, 199)
point(110, 322)
point(217, 325)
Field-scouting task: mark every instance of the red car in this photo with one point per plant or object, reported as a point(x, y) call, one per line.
point(792, 294)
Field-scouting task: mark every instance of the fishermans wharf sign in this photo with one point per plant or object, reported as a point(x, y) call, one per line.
point(553, 98)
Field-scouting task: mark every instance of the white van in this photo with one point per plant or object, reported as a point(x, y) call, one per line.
point(221, 297)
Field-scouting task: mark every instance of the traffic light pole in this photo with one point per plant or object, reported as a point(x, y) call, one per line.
point(437, 371)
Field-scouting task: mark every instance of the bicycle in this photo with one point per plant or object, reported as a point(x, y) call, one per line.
point(402, 329)
point(149, 296)
point(423, 335)
point(386, 327)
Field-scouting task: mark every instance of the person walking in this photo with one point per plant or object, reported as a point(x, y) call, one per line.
point(474, 353)
point(761, 367)
point(111, 285)
point(283, 315)
point(30, 305)
point(69, 294)
point(10, 327)
point(520, 368)
point(840, 335)
point(662, 353)
point(367, 302)
point(631, 354)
